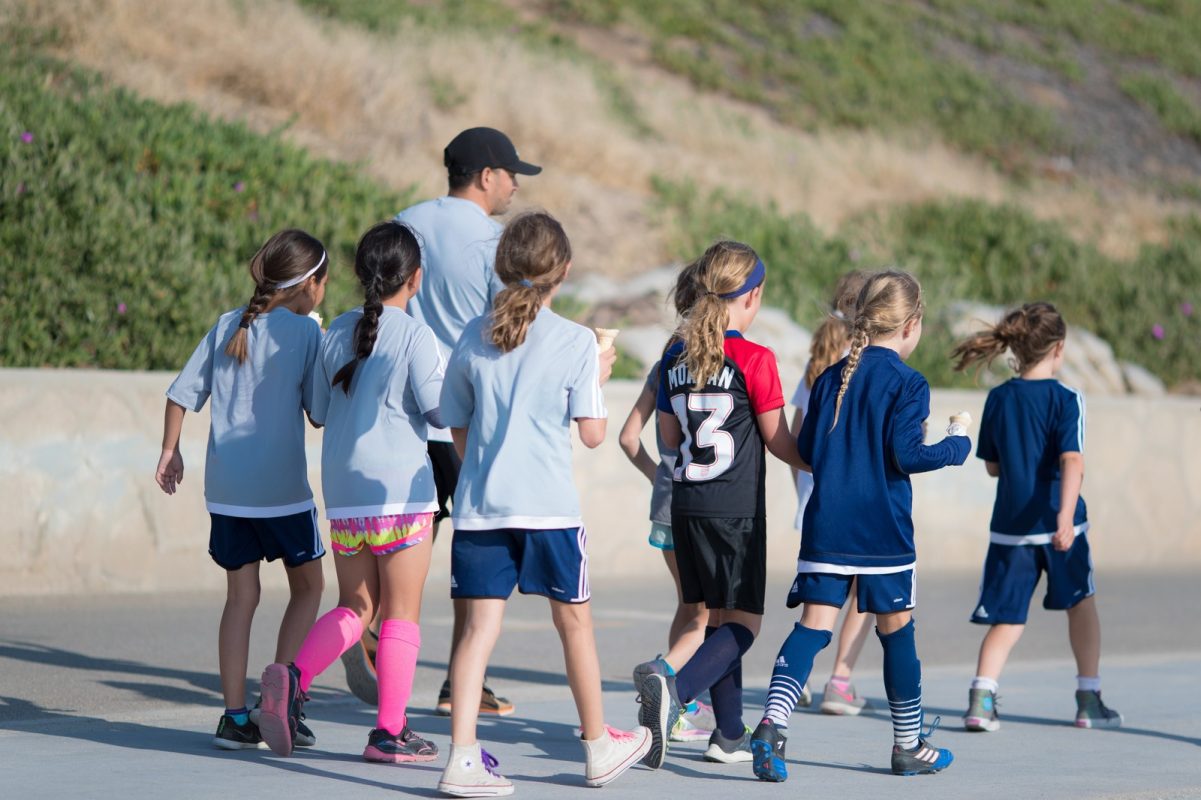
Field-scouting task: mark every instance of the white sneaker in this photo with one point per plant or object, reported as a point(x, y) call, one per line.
point(471, 772)
point(694, 726)
point(613, 753)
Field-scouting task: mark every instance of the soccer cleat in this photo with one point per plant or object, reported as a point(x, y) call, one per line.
point(659, 709)
point(694, 726)
point(490, 703)
point(471, 772)
point(359, 663)
point(806, 698)
point(840, 703)
point(282, 707)
point(921, 760)
point(729, 751)
point(613, 753)
point(406, 746)
point(767, 752)
point(232, 736)
point(1092, 713)
point(981, 711)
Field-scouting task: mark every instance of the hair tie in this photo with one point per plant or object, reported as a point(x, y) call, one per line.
point(245, 323)
point(526, 282)
point(838, 315)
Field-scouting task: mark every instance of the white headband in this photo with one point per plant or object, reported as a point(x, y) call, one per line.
point(302, 278)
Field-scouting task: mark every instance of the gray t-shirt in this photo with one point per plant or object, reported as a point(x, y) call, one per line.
point(458, 252)
point(373, 456)
point(518, 407)
point(255, 465)
point(661, 490)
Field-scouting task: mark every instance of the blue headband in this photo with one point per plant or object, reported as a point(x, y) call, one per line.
point(753, 280)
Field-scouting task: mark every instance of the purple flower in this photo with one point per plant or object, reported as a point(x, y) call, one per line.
point(1186, 308)
point(120, 308)
point(27, 137)
point(1157, 331)
point(239, 186)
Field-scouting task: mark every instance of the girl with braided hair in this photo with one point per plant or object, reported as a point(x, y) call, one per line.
point(257, 363)
point(863, 437)
point(379, 376)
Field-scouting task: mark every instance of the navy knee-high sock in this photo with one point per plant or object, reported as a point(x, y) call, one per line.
point(726, 696)
point(793, 665)
point(903, 684)
point(718, 654)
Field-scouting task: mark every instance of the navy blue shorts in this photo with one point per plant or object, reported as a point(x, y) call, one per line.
point(552, 563)
point(235, 542)
point(877, 594)
point(1011, 574)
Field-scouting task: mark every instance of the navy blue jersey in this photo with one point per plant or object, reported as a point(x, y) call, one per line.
point(720, 472)
point(859, 517)
point(1026, 427)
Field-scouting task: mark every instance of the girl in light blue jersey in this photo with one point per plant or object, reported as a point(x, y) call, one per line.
point(1032, 441)
point(257, 365)
point(515, 381)
point(379, 377)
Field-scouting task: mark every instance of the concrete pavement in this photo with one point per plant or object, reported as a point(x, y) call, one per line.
point(119, 695)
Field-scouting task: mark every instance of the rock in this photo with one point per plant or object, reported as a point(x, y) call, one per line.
point(1140, 381)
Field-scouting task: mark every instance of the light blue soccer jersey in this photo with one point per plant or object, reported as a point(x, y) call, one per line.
point(1026, 426)
point(518, 407)
point(373, 457)
point(458, 251)
point(255, 464)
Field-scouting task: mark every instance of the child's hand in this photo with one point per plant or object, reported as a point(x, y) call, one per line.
point(607, 359)
point(1064, 536)
point(170, 470)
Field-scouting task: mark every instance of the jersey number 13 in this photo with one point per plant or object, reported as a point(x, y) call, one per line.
point(709, 434)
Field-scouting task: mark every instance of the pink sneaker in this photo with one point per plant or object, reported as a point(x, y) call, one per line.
point(840, 703)
point(694, 726)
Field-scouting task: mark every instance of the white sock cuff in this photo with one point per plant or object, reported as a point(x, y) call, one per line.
point(980, 682)
point(1088, 684)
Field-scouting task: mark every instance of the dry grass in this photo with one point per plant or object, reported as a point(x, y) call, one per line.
point(354, 96)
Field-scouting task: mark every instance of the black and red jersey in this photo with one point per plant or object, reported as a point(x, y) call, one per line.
point(720, 472)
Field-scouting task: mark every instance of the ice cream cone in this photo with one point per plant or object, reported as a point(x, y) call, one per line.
point(605, 337)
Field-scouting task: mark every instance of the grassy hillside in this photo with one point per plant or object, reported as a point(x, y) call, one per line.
point(127, 225)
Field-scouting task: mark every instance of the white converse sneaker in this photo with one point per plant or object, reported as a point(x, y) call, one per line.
point(613, 753)
point(471, 772)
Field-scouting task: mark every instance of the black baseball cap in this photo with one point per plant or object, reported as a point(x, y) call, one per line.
point(477, 148)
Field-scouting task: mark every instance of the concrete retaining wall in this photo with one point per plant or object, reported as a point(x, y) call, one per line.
point(81, 511)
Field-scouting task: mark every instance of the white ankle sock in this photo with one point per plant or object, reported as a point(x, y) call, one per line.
point(1088, 684)
point(980, 682)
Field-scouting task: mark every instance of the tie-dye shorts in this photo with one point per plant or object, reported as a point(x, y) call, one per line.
point(382, 534)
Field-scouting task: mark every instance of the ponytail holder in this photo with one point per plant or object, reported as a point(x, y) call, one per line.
point(245, 323)
point(838, 315)
point(526, 283)
point(752, 281)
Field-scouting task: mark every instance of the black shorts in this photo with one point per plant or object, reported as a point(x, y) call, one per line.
point(722, 561)
point(446, 464)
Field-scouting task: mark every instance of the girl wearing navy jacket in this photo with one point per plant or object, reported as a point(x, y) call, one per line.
point(863, 438)
point(1032, 441)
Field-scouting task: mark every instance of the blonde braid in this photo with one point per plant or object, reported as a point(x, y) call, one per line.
point(859, 342)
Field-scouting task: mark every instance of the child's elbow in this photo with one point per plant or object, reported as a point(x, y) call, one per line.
point(592, 440)
point(629, 443)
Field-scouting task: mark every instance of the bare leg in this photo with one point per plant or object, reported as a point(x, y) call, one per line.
point(995, 649)
point(1084, 633)
point(687, 630)
point(306, 582)
point(358, 584)
point(233, 637)
point(481, 628)
point(573, 621)
point(402, 580)
point(850, 639)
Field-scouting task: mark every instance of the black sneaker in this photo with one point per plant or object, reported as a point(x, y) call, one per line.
point(282, 707)
point(659, 709)
point(729, 751)
point(304, 735)
point(405, 747)
point(232, 736)
point(767, 751)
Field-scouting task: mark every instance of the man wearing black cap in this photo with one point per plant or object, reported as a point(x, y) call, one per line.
point(458, 250)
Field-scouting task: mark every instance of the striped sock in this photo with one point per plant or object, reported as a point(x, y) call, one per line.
point(903, 685)
point(793, 665)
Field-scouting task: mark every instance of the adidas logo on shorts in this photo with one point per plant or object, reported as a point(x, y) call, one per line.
point(981, 612)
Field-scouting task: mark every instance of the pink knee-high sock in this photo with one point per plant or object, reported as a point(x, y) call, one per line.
point(395, 664)
point(331, 636)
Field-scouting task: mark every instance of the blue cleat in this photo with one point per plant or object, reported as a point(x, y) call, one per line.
point(767, 752)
